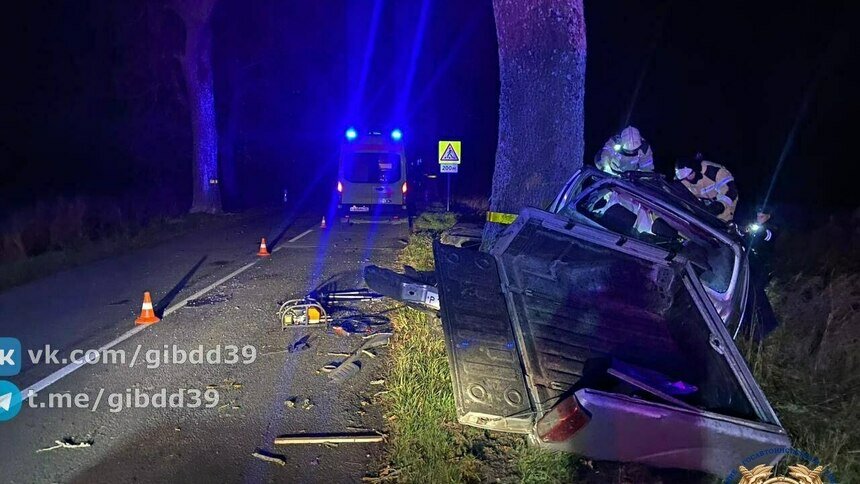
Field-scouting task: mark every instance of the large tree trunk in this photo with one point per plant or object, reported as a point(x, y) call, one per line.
point(542, 71)
point(199, 85)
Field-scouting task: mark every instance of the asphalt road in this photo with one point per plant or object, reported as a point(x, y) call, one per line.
point(91, 306)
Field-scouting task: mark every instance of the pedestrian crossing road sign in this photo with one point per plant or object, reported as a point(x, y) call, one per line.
point(449, 152)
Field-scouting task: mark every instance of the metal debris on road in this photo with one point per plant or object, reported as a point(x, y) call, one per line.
point(300, 344)
point(358, 438)
point(206, 300)
point(227, 384)
point(351, 366)
point(67, 444)
point(272, 458)
point(345, 371)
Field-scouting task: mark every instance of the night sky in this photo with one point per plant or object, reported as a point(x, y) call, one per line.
point(93, 101)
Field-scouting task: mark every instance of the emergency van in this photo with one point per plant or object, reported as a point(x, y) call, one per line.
point(372, 175)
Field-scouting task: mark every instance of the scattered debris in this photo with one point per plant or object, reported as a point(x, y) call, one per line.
point(378, 382)
point(207, 300)
point(290, 402)
point(387, 474)
point(67, 443)
point(344, 355)
point(227, 385)
point(301, 344)
point(330, 439)
point(345, 371)
point(369, 353)
point(351, 366)
point(307, 404)
point(273, 458)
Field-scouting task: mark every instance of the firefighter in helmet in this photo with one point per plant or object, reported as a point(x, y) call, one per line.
point(711, 183)
point(625, 151)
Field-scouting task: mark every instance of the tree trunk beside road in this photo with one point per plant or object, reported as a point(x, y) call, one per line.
point(200, 89)
point(542, 69)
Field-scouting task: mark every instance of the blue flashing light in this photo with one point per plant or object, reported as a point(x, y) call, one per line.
point(396, 134)
point(351, 134)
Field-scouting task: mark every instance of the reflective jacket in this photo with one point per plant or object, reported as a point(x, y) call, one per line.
point(715, 185)
point(615, 163)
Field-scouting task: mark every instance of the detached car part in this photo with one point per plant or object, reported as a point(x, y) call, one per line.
point(413, 288)
point(527, 324)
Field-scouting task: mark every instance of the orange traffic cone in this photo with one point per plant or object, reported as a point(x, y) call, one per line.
point(264, 252)
point(322, 224)
point(147, 313)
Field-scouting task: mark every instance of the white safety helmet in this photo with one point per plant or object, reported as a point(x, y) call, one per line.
point(630, 139)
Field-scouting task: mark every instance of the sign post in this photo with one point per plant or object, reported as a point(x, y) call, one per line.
point(449, 163)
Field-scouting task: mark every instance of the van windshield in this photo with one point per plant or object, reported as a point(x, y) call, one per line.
point(371, 167)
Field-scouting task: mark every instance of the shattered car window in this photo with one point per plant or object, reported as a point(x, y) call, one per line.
point(626, 214)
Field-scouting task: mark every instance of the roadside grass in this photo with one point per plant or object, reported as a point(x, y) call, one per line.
point(434, 222)
point(809, 368)
point(427, 444)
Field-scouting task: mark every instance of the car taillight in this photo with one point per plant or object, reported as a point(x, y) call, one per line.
point(339, 187)
point(565, 419)
point(403, 188)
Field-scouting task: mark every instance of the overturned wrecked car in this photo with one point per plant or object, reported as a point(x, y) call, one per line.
point(594, 337)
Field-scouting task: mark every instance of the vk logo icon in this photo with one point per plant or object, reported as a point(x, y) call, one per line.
point(10, 356)
point(10, 400)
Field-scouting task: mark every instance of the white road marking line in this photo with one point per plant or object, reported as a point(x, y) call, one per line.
point(181, 304)
point(297, 237)
point(71, 367)
point(66, 370)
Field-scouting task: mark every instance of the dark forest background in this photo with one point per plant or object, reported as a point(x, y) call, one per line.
point(93, 102)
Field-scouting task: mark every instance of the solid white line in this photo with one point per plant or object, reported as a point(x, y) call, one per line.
point(181, 304)
point(71, 367)
point(297, 237)
point(66, 370)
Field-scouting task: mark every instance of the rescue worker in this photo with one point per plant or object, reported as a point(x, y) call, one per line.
point(625, 151)
point(759, 236)
point(710, 182)
point(625, 211)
